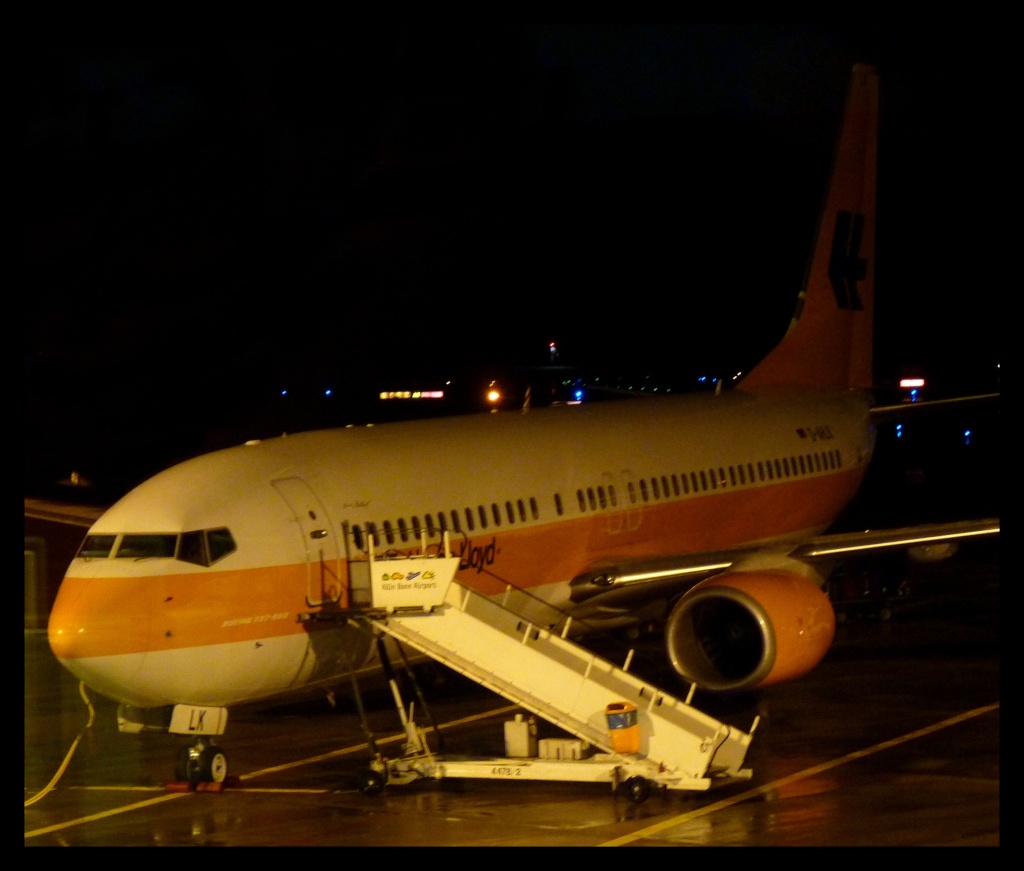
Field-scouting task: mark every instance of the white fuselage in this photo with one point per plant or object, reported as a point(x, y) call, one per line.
point(529, 499)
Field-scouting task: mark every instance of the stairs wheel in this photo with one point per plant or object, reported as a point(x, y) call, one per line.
point(638, 789)
point(371, 783)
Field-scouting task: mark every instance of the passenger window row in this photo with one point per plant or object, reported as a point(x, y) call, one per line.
point(454, 520)
point(596, 498)
point(715, 478)
point(739, 475)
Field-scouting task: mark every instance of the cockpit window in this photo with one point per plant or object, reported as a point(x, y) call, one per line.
point(193, 548)
point(147, 546)
point(205, 546)
point(221, 543)
point(97, 546)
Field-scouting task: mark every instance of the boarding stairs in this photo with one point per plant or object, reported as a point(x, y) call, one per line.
point(416, 600)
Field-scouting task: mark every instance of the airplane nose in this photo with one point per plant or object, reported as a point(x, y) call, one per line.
point(65, 629)
point(94, 639)
point(62, 641)
point(95, 617)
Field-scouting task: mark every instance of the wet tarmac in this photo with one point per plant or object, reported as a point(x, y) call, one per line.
point(892, 741)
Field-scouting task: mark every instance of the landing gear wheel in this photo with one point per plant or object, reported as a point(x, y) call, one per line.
point(637, 788)
point(213, 765)
point(371, 783)
point(201, 764)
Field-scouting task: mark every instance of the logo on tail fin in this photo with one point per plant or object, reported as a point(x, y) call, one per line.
point(829, 339)
point(846, 267)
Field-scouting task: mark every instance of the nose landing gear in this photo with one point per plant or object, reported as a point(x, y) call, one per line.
point(201, 763)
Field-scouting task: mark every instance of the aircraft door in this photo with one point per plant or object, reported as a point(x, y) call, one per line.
point(324, 584)
point(614, 518)
point(633, 506)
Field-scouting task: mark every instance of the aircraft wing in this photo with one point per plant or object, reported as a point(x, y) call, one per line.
point(875, 540)
point(610, 589)
point(887, 413)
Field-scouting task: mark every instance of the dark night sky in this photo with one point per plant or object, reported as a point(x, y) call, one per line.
point(209, 221)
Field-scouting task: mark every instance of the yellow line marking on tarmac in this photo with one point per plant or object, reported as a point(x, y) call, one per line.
point(345, 751)
point(792, 778)
point(645, 832)
point(348, 751)
point(93, 817)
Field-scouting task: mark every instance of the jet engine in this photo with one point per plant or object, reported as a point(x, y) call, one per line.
point(745, 629)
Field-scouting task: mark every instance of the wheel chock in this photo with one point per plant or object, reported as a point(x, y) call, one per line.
point(203, 786)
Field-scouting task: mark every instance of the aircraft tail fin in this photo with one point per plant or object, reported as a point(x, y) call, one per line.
point(829, 340)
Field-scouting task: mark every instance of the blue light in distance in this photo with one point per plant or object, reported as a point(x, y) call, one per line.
point(967, 436)
point(899, 430)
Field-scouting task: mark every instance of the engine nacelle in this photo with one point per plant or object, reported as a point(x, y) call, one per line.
point(745, 629)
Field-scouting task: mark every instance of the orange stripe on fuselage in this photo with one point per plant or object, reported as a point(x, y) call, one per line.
point(548, 554)
point(195, 609)
point(100, 616)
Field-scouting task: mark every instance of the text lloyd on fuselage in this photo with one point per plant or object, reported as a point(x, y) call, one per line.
point(475, 556)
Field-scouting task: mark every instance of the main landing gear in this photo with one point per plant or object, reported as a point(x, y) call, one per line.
point(201, 763)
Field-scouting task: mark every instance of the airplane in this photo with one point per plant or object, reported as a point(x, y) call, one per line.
point(199, 589)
